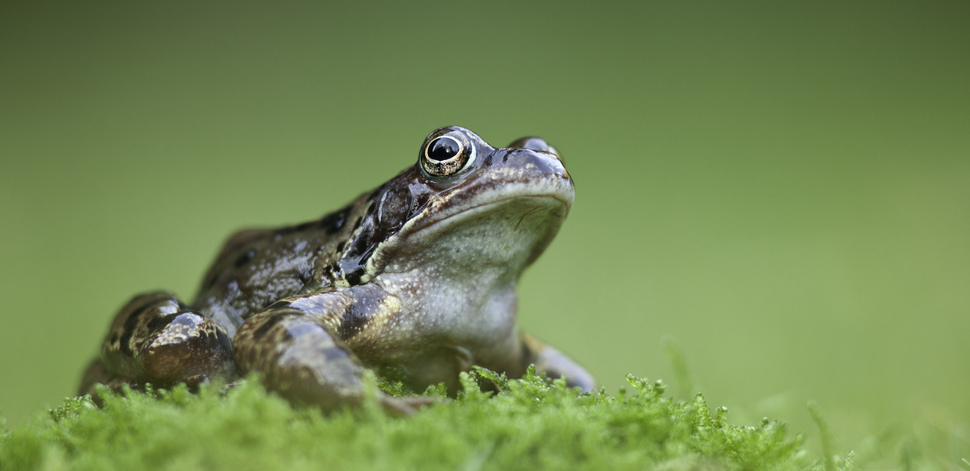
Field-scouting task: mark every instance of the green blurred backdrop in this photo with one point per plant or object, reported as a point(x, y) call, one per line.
point(782, 188)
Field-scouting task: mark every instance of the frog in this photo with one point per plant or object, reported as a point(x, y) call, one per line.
point(414, 281)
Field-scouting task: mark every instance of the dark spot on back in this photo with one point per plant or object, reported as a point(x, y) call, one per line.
point(244, 258)
point(210, 281)
point(278, 233)
point(335, 220)
point(341, 245)
point(373, 196)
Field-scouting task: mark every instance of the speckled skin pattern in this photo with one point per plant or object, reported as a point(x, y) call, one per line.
point(415, 280)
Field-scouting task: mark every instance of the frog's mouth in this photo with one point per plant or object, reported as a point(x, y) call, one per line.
point(504, 228)
point(463, 204)
point(533, 203)
point(479, 194)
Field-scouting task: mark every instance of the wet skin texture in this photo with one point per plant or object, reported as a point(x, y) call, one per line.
point(415, 280)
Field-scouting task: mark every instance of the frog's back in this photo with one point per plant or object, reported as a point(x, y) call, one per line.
point(256, 267)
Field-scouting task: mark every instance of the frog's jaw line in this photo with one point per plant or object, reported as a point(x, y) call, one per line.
point(450, 205)
point(420, 234)
point(418, 230)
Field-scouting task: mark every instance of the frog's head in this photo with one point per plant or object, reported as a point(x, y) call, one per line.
point(465, 209)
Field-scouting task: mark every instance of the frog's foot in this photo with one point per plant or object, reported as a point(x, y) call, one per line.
point(154, 339)
point(555, 364)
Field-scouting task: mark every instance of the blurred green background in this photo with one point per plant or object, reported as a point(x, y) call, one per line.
point(782, 188)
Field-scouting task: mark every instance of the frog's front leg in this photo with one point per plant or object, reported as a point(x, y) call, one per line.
point(295, 346)
point(156, 339)
point(555, 364)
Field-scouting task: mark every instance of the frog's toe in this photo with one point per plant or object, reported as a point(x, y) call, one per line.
point(405, 406)
point(555, 364)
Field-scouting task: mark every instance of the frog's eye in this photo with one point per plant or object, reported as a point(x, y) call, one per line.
point(447, 154)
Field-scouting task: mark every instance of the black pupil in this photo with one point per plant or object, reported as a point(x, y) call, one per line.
point(444, 148)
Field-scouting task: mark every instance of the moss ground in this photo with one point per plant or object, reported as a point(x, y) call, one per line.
point(530, 424)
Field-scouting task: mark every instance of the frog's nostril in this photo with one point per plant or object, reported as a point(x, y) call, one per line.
point(531, 143)
point(554, 151)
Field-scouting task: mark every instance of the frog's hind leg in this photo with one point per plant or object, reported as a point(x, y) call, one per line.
point(294, 344)
point(155, 339)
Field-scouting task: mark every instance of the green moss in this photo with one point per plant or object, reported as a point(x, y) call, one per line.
point(530, 423)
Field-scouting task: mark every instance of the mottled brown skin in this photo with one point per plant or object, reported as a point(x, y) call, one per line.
point(414, 280)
